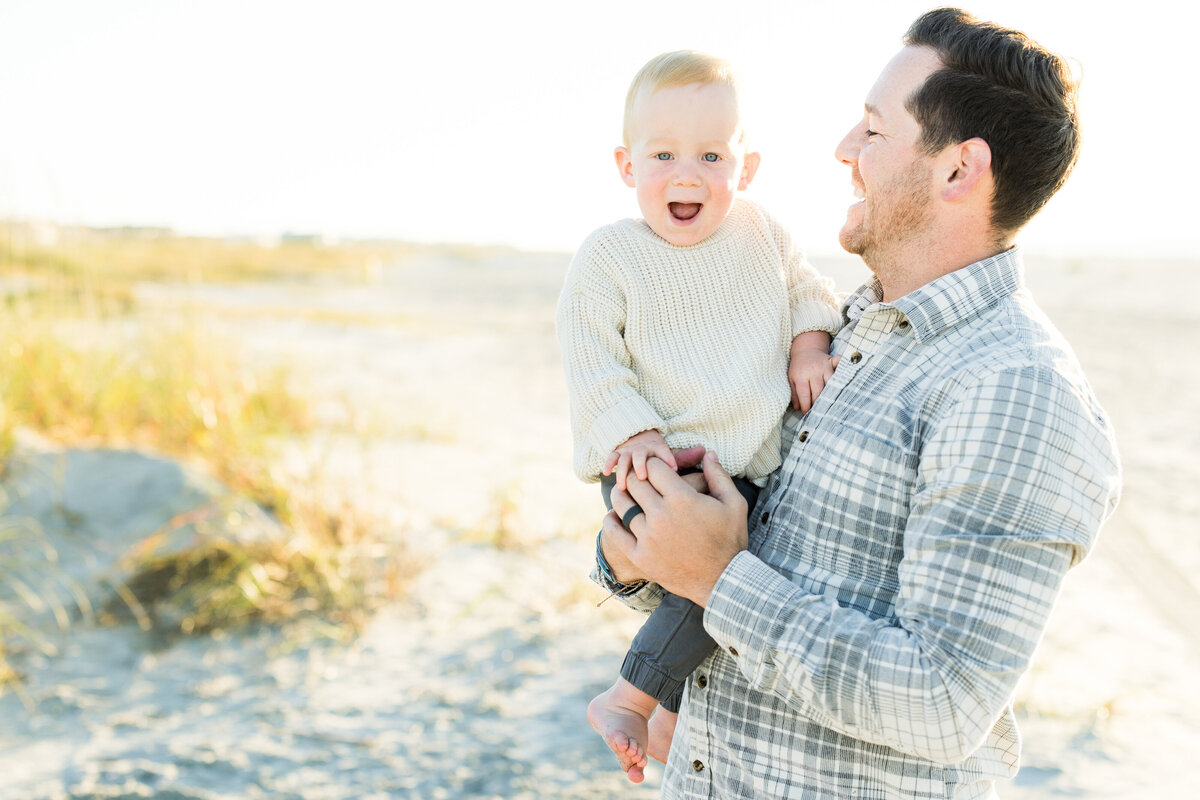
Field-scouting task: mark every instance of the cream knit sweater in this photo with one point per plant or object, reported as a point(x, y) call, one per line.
point(690, 341)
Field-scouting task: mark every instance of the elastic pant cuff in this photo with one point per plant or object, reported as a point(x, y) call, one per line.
point(652, 680)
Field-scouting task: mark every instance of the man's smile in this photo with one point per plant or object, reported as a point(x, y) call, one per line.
point(860, 191)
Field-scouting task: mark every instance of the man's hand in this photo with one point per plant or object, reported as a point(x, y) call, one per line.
point(622, 568)
point(683, 540)
point(634, 452)
point(810, 368)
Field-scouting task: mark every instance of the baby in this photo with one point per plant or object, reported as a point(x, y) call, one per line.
point(693, 326)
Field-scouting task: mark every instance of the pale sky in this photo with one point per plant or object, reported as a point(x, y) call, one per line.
point(494, 122)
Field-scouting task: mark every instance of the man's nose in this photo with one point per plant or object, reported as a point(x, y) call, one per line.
point(847, 149)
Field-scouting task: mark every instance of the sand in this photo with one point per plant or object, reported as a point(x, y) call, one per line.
point(475, 684)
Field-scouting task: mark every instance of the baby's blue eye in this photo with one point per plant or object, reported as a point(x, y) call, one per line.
point(711, 157)
point(663, 156)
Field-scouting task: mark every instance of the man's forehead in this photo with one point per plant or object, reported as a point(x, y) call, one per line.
point(903, 75)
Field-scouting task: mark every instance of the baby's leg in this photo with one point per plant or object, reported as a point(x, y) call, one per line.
point(669, 646)
point(664, 653)
point(662, 732)
point(621, 716)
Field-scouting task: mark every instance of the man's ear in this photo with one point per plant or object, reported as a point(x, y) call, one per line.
point(963, 167)
point(749, 168)
point(624, 165)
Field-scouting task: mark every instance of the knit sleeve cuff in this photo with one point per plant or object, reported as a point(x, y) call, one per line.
point(815, 316)
point(632, 415)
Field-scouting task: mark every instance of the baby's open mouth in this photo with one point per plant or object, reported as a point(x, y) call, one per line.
point(684, 211)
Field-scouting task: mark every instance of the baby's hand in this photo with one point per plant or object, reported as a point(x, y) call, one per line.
point(634, 452)
point(810, 370)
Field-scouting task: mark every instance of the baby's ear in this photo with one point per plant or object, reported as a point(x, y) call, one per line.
point(624, 165)
point(749, 168)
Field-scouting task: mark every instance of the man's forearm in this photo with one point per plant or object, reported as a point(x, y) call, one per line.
point(922, 686)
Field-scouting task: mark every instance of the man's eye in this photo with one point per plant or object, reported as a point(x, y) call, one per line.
point(711, 157)
point(663, 156)
point(871, 133)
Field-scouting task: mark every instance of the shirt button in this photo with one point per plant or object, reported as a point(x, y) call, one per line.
point(698, 765)
point(855, 357)
point(766, 516)
point(702, 681)
point(733, 651)
point(903, 324)
point(803, 436)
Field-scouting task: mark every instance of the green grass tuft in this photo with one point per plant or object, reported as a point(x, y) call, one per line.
point(82, 365)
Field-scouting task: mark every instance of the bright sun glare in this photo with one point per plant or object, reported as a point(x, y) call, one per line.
point(491, 123)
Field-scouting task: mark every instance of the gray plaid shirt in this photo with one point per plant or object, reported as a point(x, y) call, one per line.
point(905, 558)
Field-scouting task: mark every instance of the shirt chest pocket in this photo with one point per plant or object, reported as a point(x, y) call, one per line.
point(841, 529)
point(874, 470)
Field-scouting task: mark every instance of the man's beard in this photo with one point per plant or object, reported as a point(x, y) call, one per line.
point(897, 213)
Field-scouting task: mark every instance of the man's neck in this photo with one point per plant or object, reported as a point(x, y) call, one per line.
point(904, 272)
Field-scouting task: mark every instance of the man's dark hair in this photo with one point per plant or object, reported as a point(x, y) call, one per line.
point(1000, 86)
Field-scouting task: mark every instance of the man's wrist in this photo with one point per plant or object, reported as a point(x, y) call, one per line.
point(704, 593)
point(608, 577)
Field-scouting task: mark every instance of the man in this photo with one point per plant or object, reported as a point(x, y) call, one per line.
point(901, 565)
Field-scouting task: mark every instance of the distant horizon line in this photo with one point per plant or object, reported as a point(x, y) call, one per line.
point(327, 239)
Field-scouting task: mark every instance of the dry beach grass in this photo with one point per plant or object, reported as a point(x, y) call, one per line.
point(400, 413)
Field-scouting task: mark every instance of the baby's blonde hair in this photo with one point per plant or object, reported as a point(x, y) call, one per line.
point(678, 68)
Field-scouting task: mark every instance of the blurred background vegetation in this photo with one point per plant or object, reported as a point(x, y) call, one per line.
point(84, 364)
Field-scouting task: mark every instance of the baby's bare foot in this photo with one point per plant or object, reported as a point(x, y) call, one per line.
point(620, 716)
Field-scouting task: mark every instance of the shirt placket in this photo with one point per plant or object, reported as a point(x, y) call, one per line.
point(698, 769)
point(855, 347)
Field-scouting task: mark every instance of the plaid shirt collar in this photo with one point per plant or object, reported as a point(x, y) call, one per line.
point(943, 303)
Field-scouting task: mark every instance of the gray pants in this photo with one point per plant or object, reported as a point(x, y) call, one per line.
point(672, 642)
